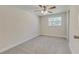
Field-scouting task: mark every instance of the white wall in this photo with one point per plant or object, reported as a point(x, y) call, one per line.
point(74, 29)
point(16, 26)
point(53, 31)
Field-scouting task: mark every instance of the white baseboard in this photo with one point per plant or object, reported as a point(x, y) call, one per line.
point(14, 45)
point(62, 36)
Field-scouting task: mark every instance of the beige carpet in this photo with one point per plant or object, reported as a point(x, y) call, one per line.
point(42, 45)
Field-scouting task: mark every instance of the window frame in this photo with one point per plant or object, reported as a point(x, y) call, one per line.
point(49, 24)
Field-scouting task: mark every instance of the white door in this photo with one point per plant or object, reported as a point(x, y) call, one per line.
point(74, 29)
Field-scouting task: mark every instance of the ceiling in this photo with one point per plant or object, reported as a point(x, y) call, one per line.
point(33, 8)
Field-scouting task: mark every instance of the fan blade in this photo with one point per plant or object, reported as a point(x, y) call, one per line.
point(50, 11)
point(52, 7)
point(40, 6)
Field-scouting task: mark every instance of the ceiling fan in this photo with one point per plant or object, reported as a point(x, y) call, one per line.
point(46, 8)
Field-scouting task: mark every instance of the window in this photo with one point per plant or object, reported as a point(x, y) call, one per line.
point(55, 21)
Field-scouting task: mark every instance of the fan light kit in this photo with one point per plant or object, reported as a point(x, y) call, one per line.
point(44, 12)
